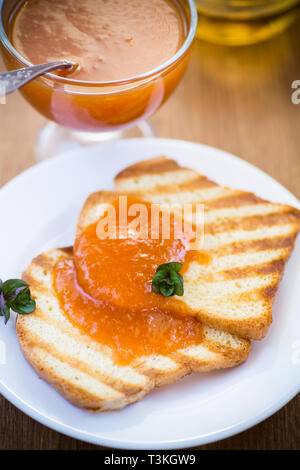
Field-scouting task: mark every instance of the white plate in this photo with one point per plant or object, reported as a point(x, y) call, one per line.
point(39, 209)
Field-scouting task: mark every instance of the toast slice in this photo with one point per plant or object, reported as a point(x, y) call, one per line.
point(249, 240)
point(84, 372)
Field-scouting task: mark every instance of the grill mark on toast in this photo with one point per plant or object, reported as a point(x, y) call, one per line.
point(32, 282)
point(198, 196)
point(256, 245)
point(43, 261)
point(231, 285)
point(161, 376)
point(68, 250)
point(100, 197)
point(272, 267)
point(247, 327)
point(188, 359)
point(252, 271)
point(260, 294)
point(215, 349)
point(228, 214)
point(87, 215)
point(200, 182)
point(269, 293)
point(235, 200)
point(166, 379)
point(225, 350)
point(195, 365)
point(265, 295)
point(217, 241)
point(150, 366)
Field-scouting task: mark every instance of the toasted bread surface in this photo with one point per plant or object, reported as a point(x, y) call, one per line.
point(248, 238)
point(84, 371)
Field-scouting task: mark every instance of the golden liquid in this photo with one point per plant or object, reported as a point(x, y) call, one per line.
point(242, 22)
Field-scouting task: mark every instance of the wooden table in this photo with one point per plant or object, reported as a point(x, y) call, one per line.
point(236, 99)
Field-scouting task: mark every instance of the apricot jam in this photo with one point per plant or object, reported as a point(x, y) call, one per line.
point(105, 291)
point(109, 40)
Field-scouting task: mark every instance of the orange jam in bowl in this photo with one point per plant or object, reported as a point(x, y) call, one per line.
point(131, 56)
point(105, 291)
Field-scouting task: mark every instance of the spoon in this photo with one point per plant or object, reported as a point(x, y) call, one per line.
point(12, 81)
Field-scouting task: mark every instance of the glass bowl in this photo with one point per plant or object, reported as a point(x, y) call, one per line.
point(96, 111)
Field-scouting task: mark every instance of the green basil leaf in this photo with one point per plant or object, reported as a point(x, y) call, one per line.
point(15, 295)
point(9, 287)
point(155, 288)
point(25, 309)
point(159, 276)
point(166, 288)
point(7, 313)
point(22, 298)
point(173, 265)
point(177, 282)
point(4, 308)
point(167, 280)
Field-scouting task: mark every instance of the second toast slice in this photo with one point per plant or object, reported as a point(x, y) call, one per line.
point(249, 240)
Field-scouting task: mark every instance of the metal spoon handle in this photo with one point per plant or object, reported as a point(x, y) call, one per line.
point(12, 81)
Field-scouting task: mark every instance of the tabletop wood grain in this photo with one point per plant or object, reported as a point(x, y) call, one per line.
point(237, 99)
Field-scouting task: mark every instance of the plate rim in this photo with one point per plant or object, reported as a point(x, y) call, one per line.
point(146, 445)
point(68, 155)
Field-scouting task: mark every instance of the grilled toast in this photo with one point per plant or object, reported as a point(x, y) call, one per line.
point(249, 240)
